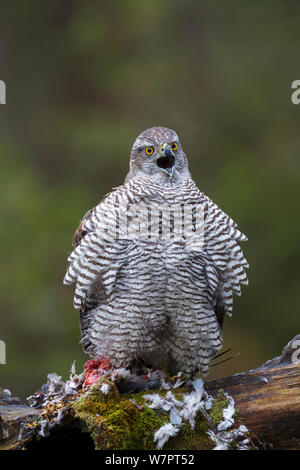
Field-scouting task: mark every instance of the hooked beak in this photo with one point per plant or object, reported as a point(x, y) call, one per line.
point(167, 160)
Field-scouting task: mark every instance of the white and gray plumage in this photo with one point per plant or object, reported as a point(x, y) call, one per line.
point(152, 298)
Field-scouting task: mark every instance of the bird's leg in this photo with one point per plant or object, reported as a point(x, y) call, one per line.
point(139, 366)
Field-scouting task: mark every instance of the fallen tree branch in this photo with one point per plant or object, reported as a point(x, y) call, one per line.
point(267, 399)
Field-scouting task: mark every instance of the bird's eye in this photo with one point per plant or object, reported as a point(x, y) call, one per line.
point(149, 150)
point(174, 146)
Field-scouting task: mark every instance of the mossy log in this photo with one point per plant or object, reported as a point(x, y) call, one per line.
point(267, 399)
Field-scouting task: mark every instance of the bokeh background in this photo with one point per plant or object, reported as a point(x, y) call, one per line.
point(83, 79)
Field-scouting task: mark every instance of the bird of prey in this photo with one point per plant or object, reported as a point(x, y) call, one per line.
point(155, 265)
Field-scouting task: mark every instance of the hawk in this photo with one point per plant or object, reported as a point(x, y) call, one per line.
point(158, 292)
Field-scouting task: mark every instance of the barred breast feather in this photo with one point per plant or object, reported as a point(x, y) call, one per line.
point(153, 298)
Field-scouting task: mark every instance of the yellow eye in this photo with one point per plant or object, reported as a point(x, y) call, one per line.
point(174, 146)
point(149, 150)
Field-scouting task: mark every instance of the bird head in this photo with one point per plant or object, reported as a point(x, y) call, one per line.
point(157, 153)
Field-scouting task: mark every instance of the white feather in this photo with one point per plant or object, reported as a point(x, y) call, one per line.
point(164, 434)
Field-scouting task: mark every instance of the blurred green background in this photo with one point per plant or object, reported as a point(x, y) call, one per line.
point(83, 80)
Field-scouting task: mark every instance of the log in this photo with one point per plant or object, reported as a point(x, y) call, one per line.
point(267, 399)
point(13, 414)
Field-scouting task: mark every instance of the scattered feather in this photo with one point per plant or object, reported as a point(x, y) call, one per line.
point(105, 389)
point(228, 414)
point(198, 385)
point(171, 397)
point(224, 439)
point(192, 404)
point(208, 403)
point(156, 399)
point(44, 429)
point(175, 417)
point(139, 407)
point(164, 434)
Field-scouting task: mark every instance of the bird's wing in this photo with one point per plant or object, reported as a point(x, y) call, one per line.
point(96, 258)
point(83, 227)
point(226, 263)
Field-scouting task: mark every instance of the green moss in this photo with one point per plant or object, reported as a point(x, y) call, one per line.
point(219, 403)
point(114, 422)
point(109, 418)
point(148, 422)
point(191, 439)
